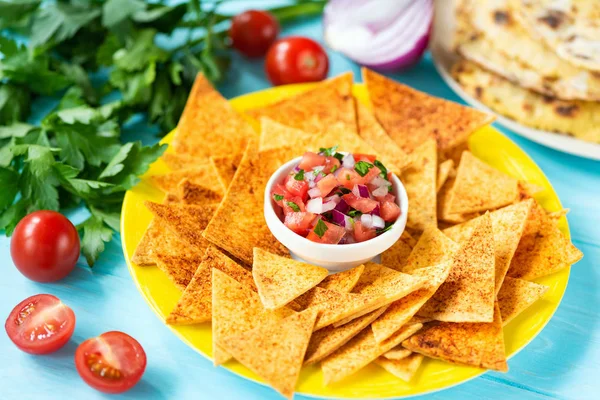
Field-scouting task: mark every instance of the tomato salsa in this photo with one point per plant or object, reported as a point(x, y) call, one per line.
point(336, 198)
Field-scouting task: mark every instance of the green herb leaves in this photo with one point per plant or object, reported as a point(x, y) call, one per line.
point(328, 151)
point(299, 176)
point(277, 197)
point(382, 168)
point(320, 228)
point(362, 167)
point(293, 206)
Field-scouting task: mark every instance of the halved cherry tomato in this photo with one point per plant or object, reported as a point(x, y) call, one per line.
point(40, 324)
point(253, 31)
point(327, 184)
point(348, 178)
point(362, 204)
point(364, 157)
point(310, 160)
point(332, 235)
point(296, 60)
point(299, 222)
point(111, 363)
point(389, 211)
point(296, 188)
point(362, 234)
point(289, 208)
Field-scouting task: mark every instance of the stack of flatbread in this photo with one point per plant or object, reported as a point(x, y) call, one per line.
point(534, 61)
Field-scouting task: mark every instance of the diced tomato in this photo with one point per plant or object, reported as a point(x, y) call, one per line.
point(362, 234)
point(332, 235)
point(364, 157)
point(287, 208)
point(299, 222)
point(327, 184)
point(296, 188)
point(348, 178)
point(389, 176)
point(330, 163)
point(387, 197)
point(311, 160)
point(373, 172)
point(281, 191)
point(362, 204)
point(389, 211)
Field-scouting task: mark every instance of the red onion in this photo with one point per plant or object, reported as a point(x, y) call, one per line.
point(361, 191)
point(342, 219)
point(375, 211)
point(348, 161)
point(314, 193)
point(315, 206)
point(342, 206)
point(378, 222)
point(380, 191)
point(330, 205)
point(366, 220)
point(335, 198)
point(383, 35)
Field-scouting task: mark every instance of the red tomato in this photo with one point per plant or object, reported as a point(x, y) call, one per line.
point(389, 211)
point(330, 163)
point(45, 246)
point(299, 222)
point(280, 190)
point(296, 188)
point(287, 208)
point(253, 31)
point(296, 60)
point(111, 363)
point(364, 157)
point(327, 184)
point(311, 160)
point(40, 324)
point(348, 178)
point(332, 235)
point(373, 172)
point(362, 234)
point(362, 204)
point(387, 197)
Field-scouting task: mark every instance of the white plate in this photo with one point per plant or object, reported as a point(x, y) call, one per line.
point(444, 58)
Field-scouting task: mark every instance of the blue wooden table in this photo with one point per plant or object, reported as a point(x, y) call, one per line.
point(562, 362)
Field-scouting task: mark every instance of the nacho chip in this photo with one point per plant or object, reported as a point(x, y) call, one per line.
point(209, 126)
point(405, 368)
point(444, 171)
point(275, 350)
point(327, 340)
point(361, 350)
point(236, 308)
point(508, 224)
point(516, 295)
point(179, 161)
point(180, 270)
point(306, 111)
point(236, 226)
point(195, 304)
point(480, 187)
point(477, 344)
point(226, 167)
point(395, 257)
point(443, 203)
point(419, 180)
point(192, 193)
point(401, 311)
point(397, 353)
point(281, 279)
point(432, 248)
point(468, 293)
point(411, 117)
point(202, 174)
point(343, 281)
point(142, 254)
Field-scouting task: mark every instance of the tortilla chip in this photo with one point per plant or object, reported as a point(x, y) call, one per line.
point(419, 180)
point(443, 203)
point(209, 126)
point(192, 193)
point(454, 153)
point(142, 255)
point(238, 225)
point(395, 257)
point(374, 134)
point(468, 293)
point(543, 248)
point(397, 353)
point(236, 308)
point(179, 161)
point(516, 295)
point(180, 270)
point(280, 279)
point(444, 170)
point(343, 281)
point(195, 304)
point(432, 248)
point(477, 344)
point(529, 190)
point(405, 368)
point(508, 224)
point(480, 187)
point(226, 167)
point(361, 350)
point(401, 311)
point(327, 340)
point(275, 350)
point(328, 104)
point(202, 174)
point(411, 117)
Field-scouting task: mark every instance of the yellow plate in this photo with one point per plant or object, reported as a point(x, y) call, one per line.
point(372, 381)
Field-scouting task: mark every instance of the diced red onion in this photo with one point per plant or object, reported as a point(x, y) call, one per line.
point(330, 205)
point(342, 206)
point(381, 191)
point(378, 222)
point(349, 239)
point(366, 220)
point(375, 210)
point(315, 206)
point(314, 192)
point(296, 169)
point(335, 198)
point(361, 191)
point(348, 161)
point(379, 181)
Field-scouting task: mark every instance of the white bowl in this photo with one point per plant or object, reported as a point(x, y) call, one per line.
point(334, 257)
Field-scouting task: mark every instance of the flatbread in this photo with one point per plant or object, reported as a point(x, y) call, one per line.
point(397, 353)
point(516, 295)
point(179, 161)
point(477, 344)
point(395, 257)
point(444, 171)
point(343, 281)
point(468, 293)
point(361, 350)
point(195, 304)
point(209, 126)
point(405, 368)
point(411, 117)
point(281, 279)
point(238, 225)
point(275, 350)
point(508, 224)
point(432, 248)
point(202, 174)
point(192, 193)
point(226, 167)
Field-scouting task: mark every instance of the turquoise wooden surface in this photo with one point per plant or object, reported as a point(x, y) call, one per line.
point(562, 362)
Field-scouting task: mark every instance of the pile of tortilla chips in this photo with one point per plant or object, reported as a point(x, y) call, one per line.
point(475, 239)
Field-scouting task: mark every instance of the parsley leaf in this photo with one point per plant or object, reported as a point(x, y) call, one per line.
point(328, 151)
point(382, 168)
point(335, 168)
point(59, 21)
point(339, 156)
point(320, 228)
point(354, 213)
point(277, 197)
point(388, 226)
point(95, 235)
point(362, 167)
point(293, 206)
point(299, 175)
point(344, 190)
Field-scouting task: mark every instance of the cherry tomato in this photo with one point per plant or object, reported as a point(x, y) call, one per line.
point(40, 324)
point(45, 246)
point(296, 60)
point(111, 363)
point(253, 31)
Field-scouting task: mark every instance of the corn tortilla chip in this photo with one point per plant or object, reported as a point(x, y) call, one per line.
point(443, 203)
point(281, 279)
point(444, 171)
point(468, 293)
point(405, 368)
point(508, 224)
point(432, 248)
point(516, 295)
point(419, 180)
point(395, 257)
point(361, 350)
point(209, 126)
point(401, 311)
point(477, 344)
point(411, 117)
point(275, 350)
point(192, 193)
point(343, 281)
point(142, 254)
point(179, 161)
point(195, 304)
point(397, 353)
point(226, 167)
point(202, 174)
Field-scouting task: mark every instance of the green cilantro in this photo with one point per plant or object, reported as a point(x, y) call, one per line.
point(344, 190)
point(382, 168)
point(354, 213)
point(293, 206)
point(320, 228)
point(347, 177)
point(388, 226)
point(362, 167)
point(339, 156)
point(328, 151)
point(335, 168)
point(277, 197)
point(299, 175)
